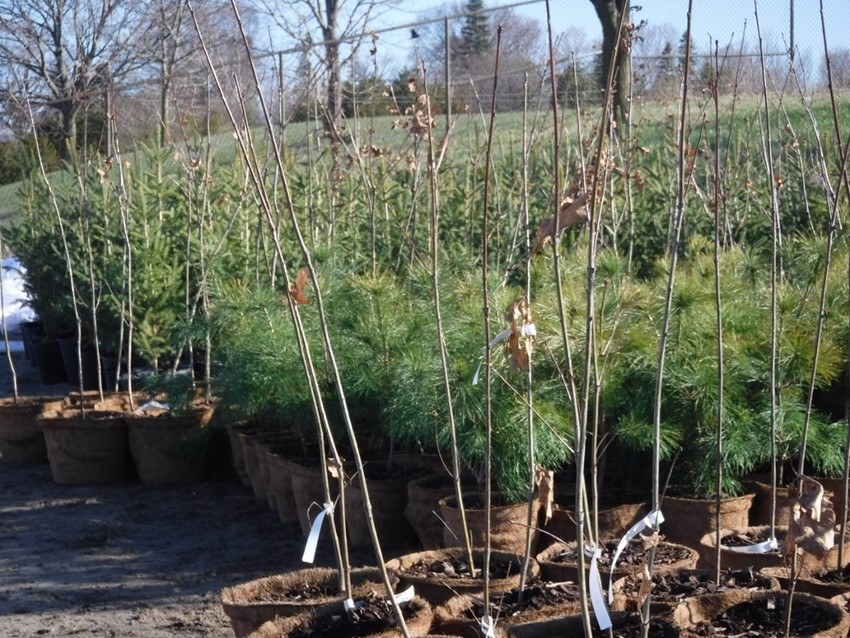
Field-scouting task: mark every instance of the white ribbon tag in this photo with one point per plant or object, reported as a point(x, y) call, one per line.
point(349, 605)
point(488, 626)
point(499, 337)
point(313, 539)
point(527, 330)
point(405, 596)
point(597, 598)
point(652, 521)
point(770, 545)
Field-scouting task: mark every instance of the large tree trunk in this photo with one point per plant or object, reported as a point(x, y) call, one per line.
point(333, 116)
point(609, 16)
point(68, 110)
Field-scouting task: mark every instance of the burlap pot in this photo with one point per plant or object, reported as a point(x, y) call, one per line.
point(508, 523)
point(388, 496)
point(439, 588)
point(308, 491)
point(686, 520)
point(423, 506)
point(456, 616)
point(560, 570)
point(252, 466)
point(613, 521)
point(161, 447)
point(703, 609)
point(573, 626)
point(762, 497)
point(663, 607)
point(262, 442)
point(280, 485)
point(834, 487)
point(237, 453)
point(808, 583)
point(418, 623)
point(21, 439)
point(249, 605)
point(87, 450)
point(736, 560)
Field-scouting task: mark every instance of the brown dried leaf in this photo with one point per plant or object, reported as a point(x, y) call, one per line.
point(296, 290)
point(520, 343)
point(646, 586)
point(812, 525)
point(571, 213)
point(545, 481)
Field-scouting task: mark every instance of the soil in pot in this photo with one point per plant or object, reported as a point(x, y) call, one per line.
point(753, 535)
point(21, 438)
point(624, 626)
point(560, 561)
point(670, 587)
point(508, 522)
point(763, 615)
point(825, 583)
point(461, 615)
point(250, 604)
point(373, 615)
point(438, 575)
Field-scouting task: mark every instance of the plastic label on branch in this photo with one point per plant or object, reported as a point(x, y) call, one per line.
point(653, 521)
point(527, 330)
point(488, 626)
point(313, 539)
point(770, 545)
point(597, 598)
point(405, 596)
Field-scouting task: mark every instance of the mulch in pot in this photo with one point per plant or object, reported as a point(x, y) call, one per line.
point(766, 618)
point(633, 556)
point(373, 614)
point(461, 615)
point(669, 588)
point(624, 626)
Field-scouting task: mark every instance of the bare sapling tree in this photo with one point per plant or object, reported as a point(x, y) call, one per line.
point(675, 239)
point(296, 287)
point(488, 377)
point(66, 51)
point(4, 327)
point(435, 157)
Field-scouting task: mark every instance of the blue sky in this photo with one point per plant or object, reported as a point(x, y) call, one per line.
point(712, 19)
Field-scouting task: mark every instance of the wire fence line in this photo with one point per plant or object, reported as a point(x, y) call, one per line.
point(293, 79)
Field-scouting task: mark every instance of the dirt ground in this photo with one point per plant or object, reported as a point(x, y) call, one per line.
point(127, 559)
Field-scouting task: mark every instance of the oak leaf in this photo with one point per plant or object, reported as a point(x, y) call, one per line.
point(297, 290)
point(571, 213)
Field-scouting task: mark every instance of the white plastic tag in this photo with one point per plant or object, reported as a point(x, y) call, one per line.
point(651, 521)
point(597, 598)
point(313, 539)
point(770, 545)
point(488, 626)
point(405, 596)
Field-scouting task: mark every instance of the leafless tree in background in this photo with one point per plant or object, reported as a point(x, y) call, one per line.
point(60, 54)
point(334, 24)
point(172, 51)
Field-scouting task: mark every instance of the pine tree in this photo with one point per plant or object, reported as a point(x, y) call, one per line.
point(475, 33)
